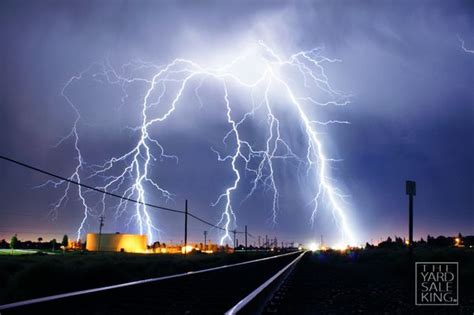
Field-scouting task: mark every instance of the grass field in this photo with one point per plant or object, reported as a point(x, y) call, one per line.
point(17, 252)
point(378, 281)
point(28, 276)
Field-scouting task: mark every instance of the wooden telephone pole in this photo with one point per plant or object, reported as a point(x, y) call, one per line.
point(185, 226)
point(101, 224)
point(245, 237)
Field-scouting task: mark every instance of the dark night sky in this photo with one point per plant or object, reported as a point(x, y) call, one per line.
point(411, 108)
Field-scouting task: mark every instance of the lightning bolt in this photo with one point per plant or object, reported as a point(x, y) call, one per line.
point(463, 46)
point(259, 70)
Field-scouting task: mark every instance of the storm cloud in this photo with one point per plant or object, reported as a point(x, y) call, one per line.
point(411, 109)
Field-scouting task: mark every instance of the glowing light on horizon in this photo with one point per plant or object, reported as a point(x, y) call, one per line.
point(187, 249)
point(313, 247)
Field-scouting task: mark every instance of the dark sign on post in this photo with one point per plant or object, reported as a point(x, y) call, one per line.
point(411, 188)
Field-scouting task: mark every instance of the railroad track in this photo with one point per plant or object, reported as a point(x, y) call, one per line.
point(243, 288)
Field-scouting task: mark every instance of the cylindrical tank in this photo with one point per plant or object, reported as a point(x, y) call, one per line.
point(129, 243)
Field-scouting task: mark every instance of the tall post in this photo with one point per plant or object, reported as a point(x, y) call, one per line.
point(410, 232)
point(205, 239)
point(234, 232)
point(101, 224)
point(411, 191)
point(259, 241)
point(185, 226)
point(245, 237)
point(266, 241)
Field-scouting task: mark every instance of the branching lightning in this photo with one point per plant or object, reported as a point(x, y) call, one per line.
point(463, 46)
point(129, 173)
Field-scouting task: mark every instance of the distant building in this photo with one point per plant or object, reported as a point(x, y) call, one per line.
point(129, 243)
point(210, 248)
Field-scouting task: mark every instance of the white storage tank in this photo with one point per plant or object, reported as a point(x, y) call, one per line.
point(129, 243)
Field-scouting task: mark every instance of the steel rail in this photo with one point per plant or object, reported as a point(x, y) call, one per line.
point(245, 301)
point(127, 284)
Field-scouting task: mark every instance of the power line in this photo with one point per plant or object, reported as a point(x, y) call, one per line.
point(209, 223)
point(87, 186)
point(111, 194)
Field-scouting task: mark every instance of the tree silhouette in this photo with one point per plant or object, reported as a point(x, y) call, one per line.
point(156, 245)
point(13, 242)
point(65, 241)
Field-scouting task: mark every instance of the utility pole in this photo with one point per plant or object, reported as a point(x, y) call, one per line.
point(185, 226)
point(101, 224)
point(411, 191)
point(266, 241)
point(234, 232)
point(205, 239)
point(259, 241)
point(245, 237)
